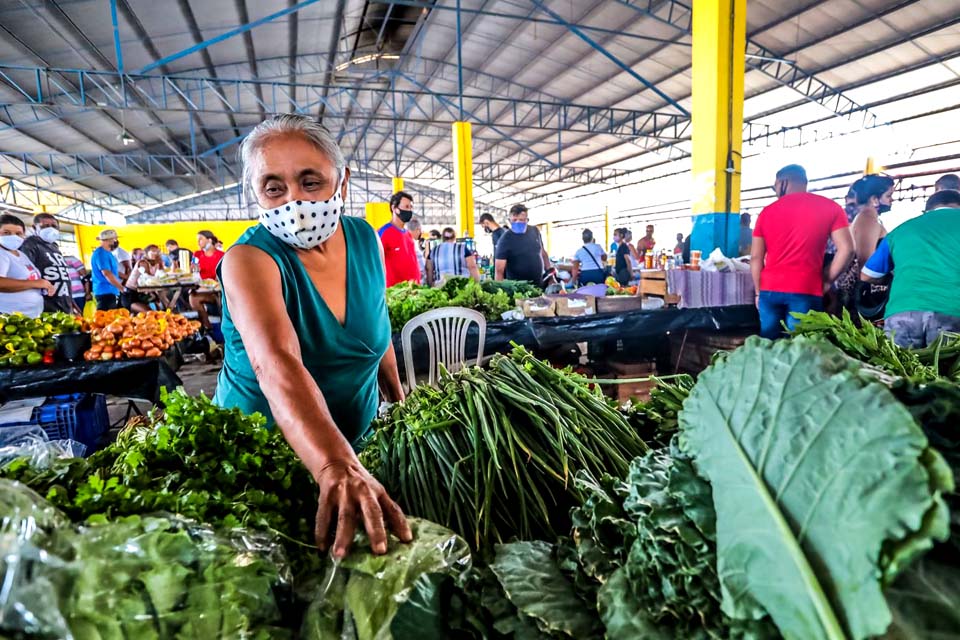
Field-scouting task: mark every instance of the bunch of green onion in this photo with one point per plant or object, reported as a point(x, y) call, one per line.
point(491, 453)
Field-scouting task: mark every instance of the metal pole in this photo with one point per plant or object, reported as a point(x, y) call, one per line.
point(459, 62)
point(116, 47)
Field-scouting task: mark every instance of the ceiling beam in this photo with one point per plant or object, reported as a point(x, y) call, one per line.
point(202, 45)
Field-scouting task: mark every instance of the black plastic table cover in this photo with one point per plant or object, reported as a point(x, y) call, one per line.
point(141, 379)
point(538, 334)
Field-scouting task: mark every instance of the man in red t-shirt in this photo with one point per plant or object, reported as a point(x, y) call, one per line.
point(399, 251)
point(786, 256)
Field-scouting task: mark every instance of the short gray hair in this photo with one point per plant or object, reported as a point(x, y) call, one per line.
point(311, 129)
point(413, 225)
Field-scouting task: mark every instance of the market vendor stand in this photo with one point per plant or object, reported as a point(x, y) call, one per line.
point(633, 334)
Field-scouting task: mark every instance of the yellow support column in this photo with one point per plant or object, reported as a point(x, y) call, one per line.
point(463, 177)
point(397, 184)
point(549, 243)
point(377, 214)
point(606, 228)
point(719, 43)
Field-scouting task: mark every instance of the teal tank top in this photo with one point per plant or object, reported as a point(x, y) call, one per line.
point(344, 360)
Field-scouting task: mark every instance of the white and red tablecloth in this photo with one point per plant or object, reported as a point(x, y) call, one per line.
point(710, 288)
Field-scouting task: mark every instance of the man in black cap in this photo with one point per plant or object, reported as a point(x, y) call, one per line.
point(519, 254)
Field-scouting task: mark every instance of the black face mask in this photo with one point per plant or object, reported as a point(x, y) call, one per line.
point(487, 231)
point(405, 216)
point(448, 238)
point(883, 208)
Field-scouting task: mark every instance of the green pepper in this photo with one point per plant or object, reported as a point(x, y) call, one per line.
point(34, 358)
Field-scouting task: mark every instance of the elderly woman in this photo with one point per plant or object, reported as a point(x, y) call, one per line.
point(307, 336)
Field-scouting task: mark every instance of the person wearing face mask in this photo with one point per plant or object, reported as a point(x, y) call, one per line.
point(415, 230)
point(206, 259)
point(149, 265)
point(520, 254)
point(923, 300)
point(489, 224)
point(305, 323)
point(124, 260)
point(22, 288)
point(399, 251)
point(451, 259)
point(42, 250)
point(873, 195)
point(105, 272)
point(786, 256)
point(623, 265)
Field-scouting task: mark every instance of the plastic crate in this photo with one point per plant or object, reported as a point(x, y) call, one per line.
point(78, 416)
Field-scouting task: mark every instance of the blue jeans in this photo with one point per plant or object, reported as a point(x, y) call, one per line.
point(775, 308)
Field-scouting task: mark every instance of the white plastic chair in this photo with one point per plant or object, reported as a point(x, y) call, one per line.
point(446, 330)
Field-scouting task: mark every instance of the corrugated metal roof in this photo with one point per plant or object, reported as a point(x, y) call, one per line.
point(875, 51)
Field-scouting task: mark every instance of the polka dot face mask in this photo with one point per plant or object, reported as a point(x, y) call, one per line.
point(304, 224)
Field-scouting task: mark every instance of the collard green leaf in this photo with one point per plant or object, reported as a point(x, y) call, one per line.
point(814, 469)
point(620, 615)
point(534, 583)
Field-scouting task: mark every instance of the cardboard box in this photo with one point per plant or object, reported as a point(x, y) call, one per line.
point(574, 305)
point(541, 307)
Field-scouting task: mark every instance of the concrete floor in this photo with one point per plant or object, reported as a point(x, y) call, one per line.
point(196, 376)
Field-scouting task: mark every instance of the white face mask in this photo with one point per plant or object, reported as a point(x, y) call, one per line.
point(304, 224)
point(49, 234)
point(11, 242)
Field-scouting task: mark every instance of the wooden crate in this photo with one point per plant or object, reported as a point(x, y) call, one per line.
point(693, 351)
point(637, 391)
point(618, 304)
point(654, 283)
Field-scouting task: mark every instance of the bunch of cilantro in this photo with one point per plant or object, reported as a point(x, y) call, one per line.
point(198, 461)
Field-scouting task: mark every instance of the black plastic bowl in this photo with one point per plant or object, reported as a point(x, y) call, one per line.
point(71, 346)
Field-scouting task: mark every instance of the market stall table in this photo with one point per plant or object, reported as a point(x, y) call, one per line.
point(141, 379)
point(177, 289)
point(697, 289)
point(543, 334)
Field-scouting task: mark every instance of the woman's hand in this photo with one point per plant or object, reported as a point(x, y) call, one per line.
point(348, 490)
point(48, 287)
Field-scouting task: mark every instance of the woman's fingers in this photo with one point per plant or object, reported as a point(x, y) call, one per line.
point(346, 526)
point(373, 521)
point(321, 530)
point(395, 520)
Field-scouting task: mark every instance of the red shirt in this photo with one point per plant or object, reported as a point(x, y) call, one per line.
point(795, 230)
point(399, 255)
point(208, 264)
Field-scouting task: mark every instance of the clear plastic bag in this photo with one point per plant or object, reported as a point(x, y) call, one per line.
point(32, 442)
point(395, 595)
point(32, 562)
point(144, 577)
point(165, 577)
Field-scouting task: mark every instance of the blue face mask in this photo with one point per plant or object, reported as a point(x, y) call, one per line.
point(518, 227)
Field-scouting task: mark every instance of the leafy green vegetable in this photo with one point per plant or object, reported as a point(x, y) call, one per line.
point(406, 300)
point(665, 585)
point(657, 418)
point(200, 461)
point(867, 343)
point(533, 582)
point(370, 597)
point(492, 453)
point(823, 486)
